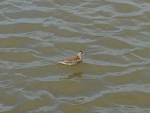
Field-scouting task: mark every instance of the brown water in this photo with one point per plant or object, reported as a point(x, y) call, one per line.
point(114, 75)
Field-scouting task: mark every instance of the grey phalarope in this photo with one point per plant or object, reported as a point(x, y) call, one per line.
point(73, 60)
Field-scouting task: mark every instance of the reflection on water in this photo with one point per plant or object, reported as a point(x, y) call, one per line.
point(114, 75)
point(74, 75)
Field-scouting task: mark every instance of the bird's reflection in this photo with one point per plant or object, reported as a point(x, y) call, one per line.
point(74, 75)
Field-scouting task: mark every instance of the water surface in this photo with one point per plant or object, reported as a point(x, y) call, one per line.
point(112, 78)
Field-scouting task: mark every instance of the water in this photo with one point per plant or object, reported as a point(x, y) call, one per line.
point(112, 78)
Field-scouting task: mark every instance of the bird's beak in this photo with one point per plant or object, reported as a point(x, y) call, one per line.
point(83, 54)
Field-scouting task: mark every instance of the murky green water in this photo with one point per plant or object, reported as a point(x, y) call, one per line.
point(112, 78)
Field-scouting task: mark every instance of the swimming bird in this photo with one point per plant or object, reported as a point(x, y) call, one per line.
point(73, 60)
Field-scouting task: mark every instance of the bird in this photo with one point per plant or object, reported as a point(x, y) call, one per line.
point(72, 60)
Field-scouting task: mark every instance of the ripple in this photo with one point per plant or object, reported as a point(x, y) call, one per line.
point(4, 108)
point(113, 76)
